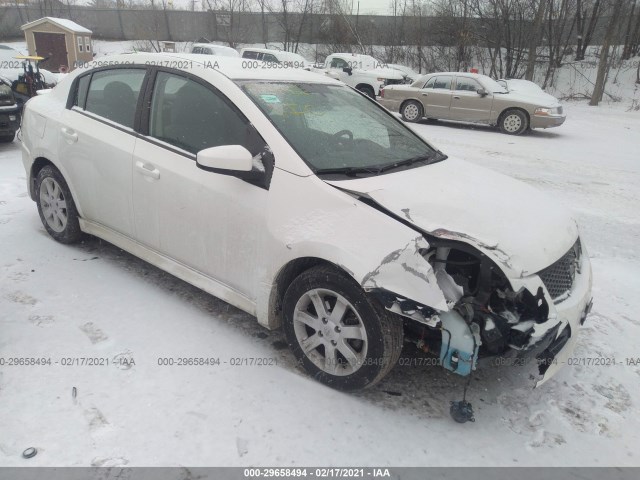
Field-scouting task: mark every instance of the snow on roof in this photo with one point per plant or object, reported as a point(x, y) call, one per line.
point(61, 22)
point(232, 67)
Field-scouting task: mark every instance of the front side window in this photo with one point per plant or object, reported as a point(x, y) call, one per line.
point(443, 82)
point(338, 63)
point(113, 94)
point(192, 117)
point(465, 84)
point(270, 58)
point(250, 54)
point(332, 127)
point(196, 50)
point(430, 83)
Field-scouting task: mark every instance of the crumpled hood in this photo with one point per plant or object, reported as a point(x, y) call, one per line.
point(513, 223)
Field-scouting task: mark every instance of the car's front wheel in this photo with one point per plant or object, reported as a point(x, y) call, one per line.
point(341, 337)
point(56, 207)
point(514, 122)
point(411, 111)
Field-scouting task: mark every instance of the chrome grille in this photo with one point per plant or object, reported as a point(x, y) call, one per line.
point(559, 277)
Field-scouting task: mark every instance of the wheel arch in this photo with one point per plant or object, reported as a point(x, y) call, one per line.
point(411, 99)
point(506, 109)
point(283, 279)
point(38, 164)
point(366, 85)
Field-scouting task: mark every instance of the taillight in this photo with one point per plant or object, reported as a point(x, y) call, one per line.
point(382, 93)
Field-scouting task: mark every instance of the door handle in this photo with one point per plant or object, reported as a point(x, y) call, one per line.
point(69, 135)
point(456, 97)
point(425, 94)
point(148, 170)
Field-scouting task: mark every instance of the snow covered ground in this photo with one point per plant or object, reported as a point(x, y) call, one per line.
point(93, 300)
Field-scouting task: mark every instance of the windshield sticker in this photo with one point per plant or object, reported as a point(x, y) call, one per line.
point(269, 98)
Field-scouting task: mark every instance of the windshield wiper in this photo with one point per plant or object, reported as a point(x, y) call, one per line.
point(376, 170)
point(431, 158)
point(349, 171)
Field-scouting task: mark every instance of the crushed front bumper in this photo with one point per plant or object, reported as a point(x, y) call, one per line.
point(554, 341)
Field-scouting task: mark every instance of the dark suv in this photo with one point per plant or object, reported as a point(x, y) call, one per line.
point(9, 113)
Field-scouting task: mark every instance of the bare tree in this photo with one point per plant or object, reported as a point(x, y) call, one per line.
point(603, 64)
point(535, 39)
point(584, 36)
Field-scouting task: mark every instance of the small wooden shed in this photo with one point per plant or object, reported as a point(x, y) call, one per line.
point(65, 44)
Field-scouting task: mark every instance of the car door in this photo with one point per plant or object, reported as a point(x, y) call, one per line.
point(436, 96)
point(96, 143)
point(211, 222)
point(467, 104)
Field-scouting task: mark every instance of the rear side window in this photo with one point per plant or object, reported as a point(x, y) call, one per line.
point(443, 82)
point(270, 58)
point(192, 117)
point(113, 94)
point(196, 50)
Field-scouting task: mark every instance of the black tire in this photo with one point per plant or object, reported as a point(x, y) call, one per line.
point(412, 111)
point(367, 90)
point(513, 122)
point(376, 352)
point(7, 138)
point(51, 200)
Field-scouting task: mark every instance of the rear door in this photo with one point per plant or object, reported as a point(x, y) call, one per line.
point(466, 104)
point(96, 142)
point(208, 221)
point(436, 96)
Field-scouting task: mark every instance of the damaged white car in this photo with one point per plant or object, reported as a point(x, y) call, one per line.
point(306, 204)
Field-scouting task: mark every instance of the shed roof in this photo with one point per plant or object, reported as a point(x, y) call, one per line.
point(63, 23)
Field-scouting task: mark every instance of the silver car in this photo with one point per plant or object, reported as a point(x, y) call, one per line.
point(470, 97)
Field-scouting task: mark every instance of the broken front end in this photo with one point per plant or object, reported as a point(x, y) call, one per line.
point(531, 318)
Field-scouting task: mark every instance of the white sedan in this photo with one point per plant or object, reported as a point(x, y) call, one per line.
point(306, 204)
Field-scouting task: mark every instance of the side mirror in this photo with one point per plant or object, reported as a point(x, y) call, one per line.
point(482, 92)
point(348, 70)
point(225, 159)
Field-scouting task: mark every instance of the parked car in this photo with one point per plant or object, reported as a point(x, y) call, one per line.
point(213, 49)
point(470, 97)
point(362, 72)
point(310, 206)
point(286, 59)
point(410, 75)
point(528, 88)
point(9, 112)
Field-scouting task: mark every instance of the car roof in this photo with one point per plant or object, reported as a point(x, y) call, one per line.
point(232, 67)
point(214, 45)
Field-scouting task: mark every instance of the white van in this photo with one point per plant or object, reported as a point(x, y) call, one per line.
point(213, 49)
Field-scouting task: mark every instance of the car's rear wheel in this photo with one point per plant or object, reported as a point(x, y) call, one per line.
point(340, 336)
point(514, 122)
point(367, 90)
point(7, 138)
point(412, 111)
point(56, 207)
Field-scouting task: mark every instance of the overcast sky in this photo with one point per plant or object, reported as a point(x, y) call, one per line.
point(376, 7)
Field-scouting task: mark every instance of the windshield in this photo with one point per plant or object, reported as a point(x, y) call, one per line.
point(335, 128)
point(492, 86)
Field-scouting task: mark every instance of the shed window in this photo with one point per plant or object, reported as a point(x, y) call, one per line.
point(87, 44)
point(80, 44)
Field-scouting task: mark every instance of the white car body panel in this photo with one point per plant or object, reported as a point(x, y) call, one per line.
point(448, 189)
point(233, 239)
point(363, 73)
